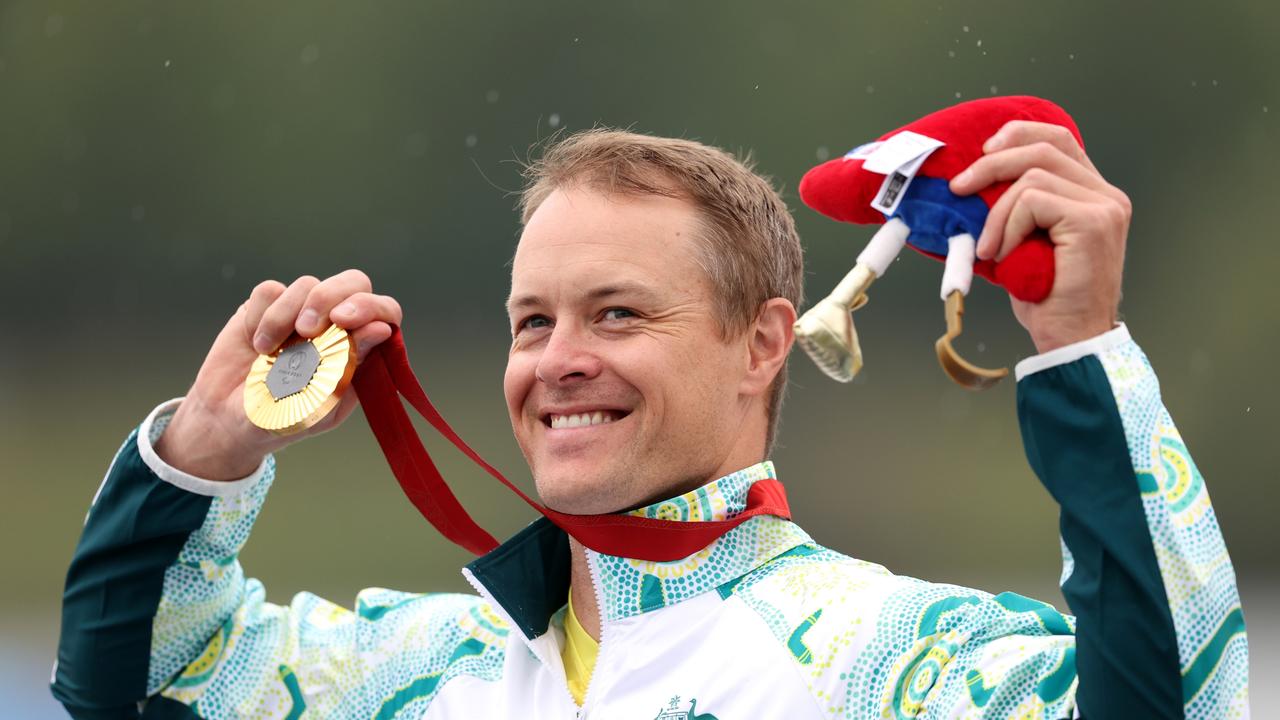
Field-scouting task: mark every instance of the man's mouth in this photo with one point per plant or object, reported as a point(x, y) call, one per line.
point(582, 419)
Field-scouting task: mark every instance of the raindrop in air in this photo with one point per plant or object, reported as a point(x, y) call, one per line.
point(871, 89)
point(554, 120)
point(53, 25)
point(491, 97)
point(310, 54)
point(472, 140)
point(965, 28)
point(166, 63)
point(994, 89)
point(957, 94)
point(951, 53)
point(823, 153)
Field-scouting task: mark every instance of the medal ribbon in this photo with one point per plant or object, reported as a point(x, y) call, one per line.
point(385, 376)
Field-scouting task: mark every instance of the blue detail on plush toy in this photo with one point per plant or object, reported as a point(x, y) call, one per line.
point(935, 214)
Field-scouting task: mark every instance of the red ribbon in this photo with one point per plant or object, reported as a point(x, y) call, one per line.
point(385, 375)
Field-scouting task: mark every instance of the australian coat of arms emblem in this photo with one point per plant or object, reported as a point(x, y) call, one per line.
point(674, 711)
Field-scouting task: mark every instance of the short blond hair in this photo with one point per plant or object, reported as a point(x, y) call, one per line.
point(749, 247)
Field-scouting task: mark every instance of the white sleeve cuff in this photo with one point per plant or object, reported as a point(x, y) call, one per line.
point(153, 427)
point(1116, 336)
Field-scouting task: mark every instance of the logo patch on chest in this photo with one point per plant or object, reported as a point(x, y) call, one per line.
point(676, 710)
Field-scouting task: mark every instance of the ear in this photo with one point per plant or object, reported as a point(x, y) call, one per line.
point(768, 342)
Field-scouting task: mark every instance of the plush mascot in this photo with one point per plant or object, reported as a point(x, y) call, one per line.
point(900, 182)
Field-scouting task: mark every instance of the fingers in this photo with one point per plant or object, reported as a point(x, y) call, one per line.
point(1036, 208)
point(368, 337)
point(994, 242)
point(368, 317)
point(324, 296)
point(308, 306)
point(278, 321)
point(372, 317)
point(365, 307)
point(1051, 171)
point(1011, 163)
point(259, 300)
point(1025, 132)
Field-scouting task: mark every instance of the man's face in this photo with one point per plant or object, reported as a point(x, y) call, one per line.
point(618, 385)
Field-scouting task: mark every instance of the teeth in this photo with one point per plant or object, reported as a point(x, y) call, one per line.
point(598, 417)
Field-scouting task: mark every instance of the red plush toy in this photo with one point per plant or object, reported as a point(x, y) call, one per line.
point(902, 180)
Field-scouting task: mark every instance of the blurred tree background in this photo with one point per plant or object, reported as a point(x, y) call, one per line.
point(158, 159)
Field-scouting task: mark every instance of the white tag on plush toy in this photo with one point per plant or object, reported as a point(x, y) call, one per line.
point(915, 148)
point(899, 150)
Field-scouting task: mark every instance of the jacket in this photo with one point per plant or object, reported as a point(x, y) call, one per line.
point(160, 621)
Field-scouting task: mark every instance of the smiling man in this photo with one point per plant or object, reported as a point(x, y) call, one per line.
point(653, 293)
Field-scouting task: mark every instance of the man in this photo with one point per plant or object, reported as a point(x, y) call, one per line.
point(653, 293)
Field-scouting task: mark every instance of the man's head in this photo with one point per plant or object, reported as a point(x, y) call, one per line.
point(652, 295)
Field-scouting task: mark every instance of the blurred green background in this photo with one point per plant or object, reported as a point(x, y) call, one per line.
point(158, 159)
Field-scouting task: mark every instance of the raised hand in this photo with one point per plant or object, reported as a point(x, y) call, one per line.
point(1056, 187)
point(210, 436)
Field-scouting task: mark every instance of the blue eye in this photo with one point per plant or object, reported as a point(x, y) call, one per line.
point(626, 313)
point(534, 321)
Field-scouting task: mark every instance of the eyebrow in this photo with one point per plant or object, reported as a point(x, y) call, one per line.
point(517, 302)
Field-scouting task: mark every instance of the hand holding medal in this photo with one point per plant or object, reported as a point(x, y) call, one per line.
point(211, 436)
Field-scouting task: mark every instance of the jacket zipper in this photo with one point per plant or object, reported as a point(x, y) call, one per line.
point(564, 686)
point(604, 633)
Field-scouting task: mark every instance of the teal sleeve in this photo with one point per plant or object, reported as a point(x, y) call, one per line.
point(132, 533)
point(125, 630)
point(1160, 632)
point(160, 621)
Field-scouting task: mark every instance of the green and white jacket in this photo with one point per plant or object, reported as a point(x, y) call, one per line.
point(159, 620)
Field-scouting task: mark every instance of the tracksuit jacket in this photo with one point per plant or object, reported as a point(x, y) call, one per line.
point(159, 620)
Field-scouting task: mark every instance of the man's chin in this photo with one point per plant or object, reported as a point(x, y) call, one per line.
point(581, 493)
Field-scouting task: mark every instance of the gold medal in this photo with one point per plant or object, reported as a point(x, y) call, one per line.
point(293, 388)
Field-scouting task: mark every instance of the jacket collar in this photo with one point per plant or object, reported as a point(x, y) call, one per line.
point(527, 577)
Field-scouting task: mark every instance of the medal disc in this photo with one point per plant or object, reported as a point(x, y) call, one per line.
point(293, 388)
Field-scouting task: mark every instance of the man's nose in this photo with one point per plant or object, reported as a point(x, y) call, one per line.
point(568, 357)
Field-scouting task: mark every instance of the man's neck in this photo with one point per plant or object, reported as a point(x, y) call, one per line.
point(585, 607)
